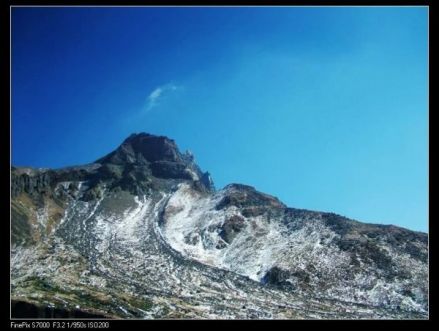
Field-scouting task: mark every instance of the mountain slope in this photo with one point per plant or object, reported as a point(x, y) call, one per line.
point(142, 233)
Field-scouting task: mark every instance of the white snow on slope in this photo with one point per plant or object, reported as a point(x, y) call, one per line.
point(123, 243)
point(122, 229)
point(192, 227)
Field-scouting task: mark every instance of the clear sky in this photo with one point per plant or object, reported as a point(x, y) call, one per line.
point(325, 108)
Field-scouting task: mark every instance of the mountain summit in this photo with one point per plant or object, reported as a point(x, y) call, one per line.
point(142, 148)
point(157, 155)
point(143, 233)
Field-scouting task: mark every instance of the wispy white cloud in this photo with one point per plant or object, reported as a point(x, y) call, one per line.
point(159, 93)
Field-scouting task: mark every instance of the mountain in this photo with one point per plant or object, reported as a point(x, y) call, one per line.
point(143, 233)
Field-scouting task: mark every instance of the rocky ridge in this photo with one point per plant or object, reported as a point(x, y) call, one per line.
point(142, 233)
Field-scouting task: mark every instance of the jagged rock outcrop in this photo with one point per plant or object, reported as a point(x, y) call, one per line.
point(30, 181)
point(155, 155)
point(142, 233)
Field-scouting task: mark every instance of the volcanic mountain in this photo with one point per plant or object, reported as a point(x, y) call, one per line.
point(143, 233)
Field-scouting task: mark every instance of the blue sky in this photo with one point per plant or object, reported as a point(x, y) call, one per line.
point(324, 107)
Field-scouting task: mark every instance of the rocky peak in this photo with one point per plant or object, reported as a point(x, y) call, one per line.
point(143, 162)
point(142, 148)
point(154, 148)
point(144, 157)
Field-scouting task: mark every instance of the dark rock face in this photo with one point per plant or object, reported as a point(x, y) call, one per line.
point(167, 169)
point(231, 227)
point(244, 196)
point(37, 183)
point(142, 148)
point(152, 156)
point(154, 148)
point(207, 181)
point(288, 280)
point(276, 276)
point(31, 184)
point(369, 251)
